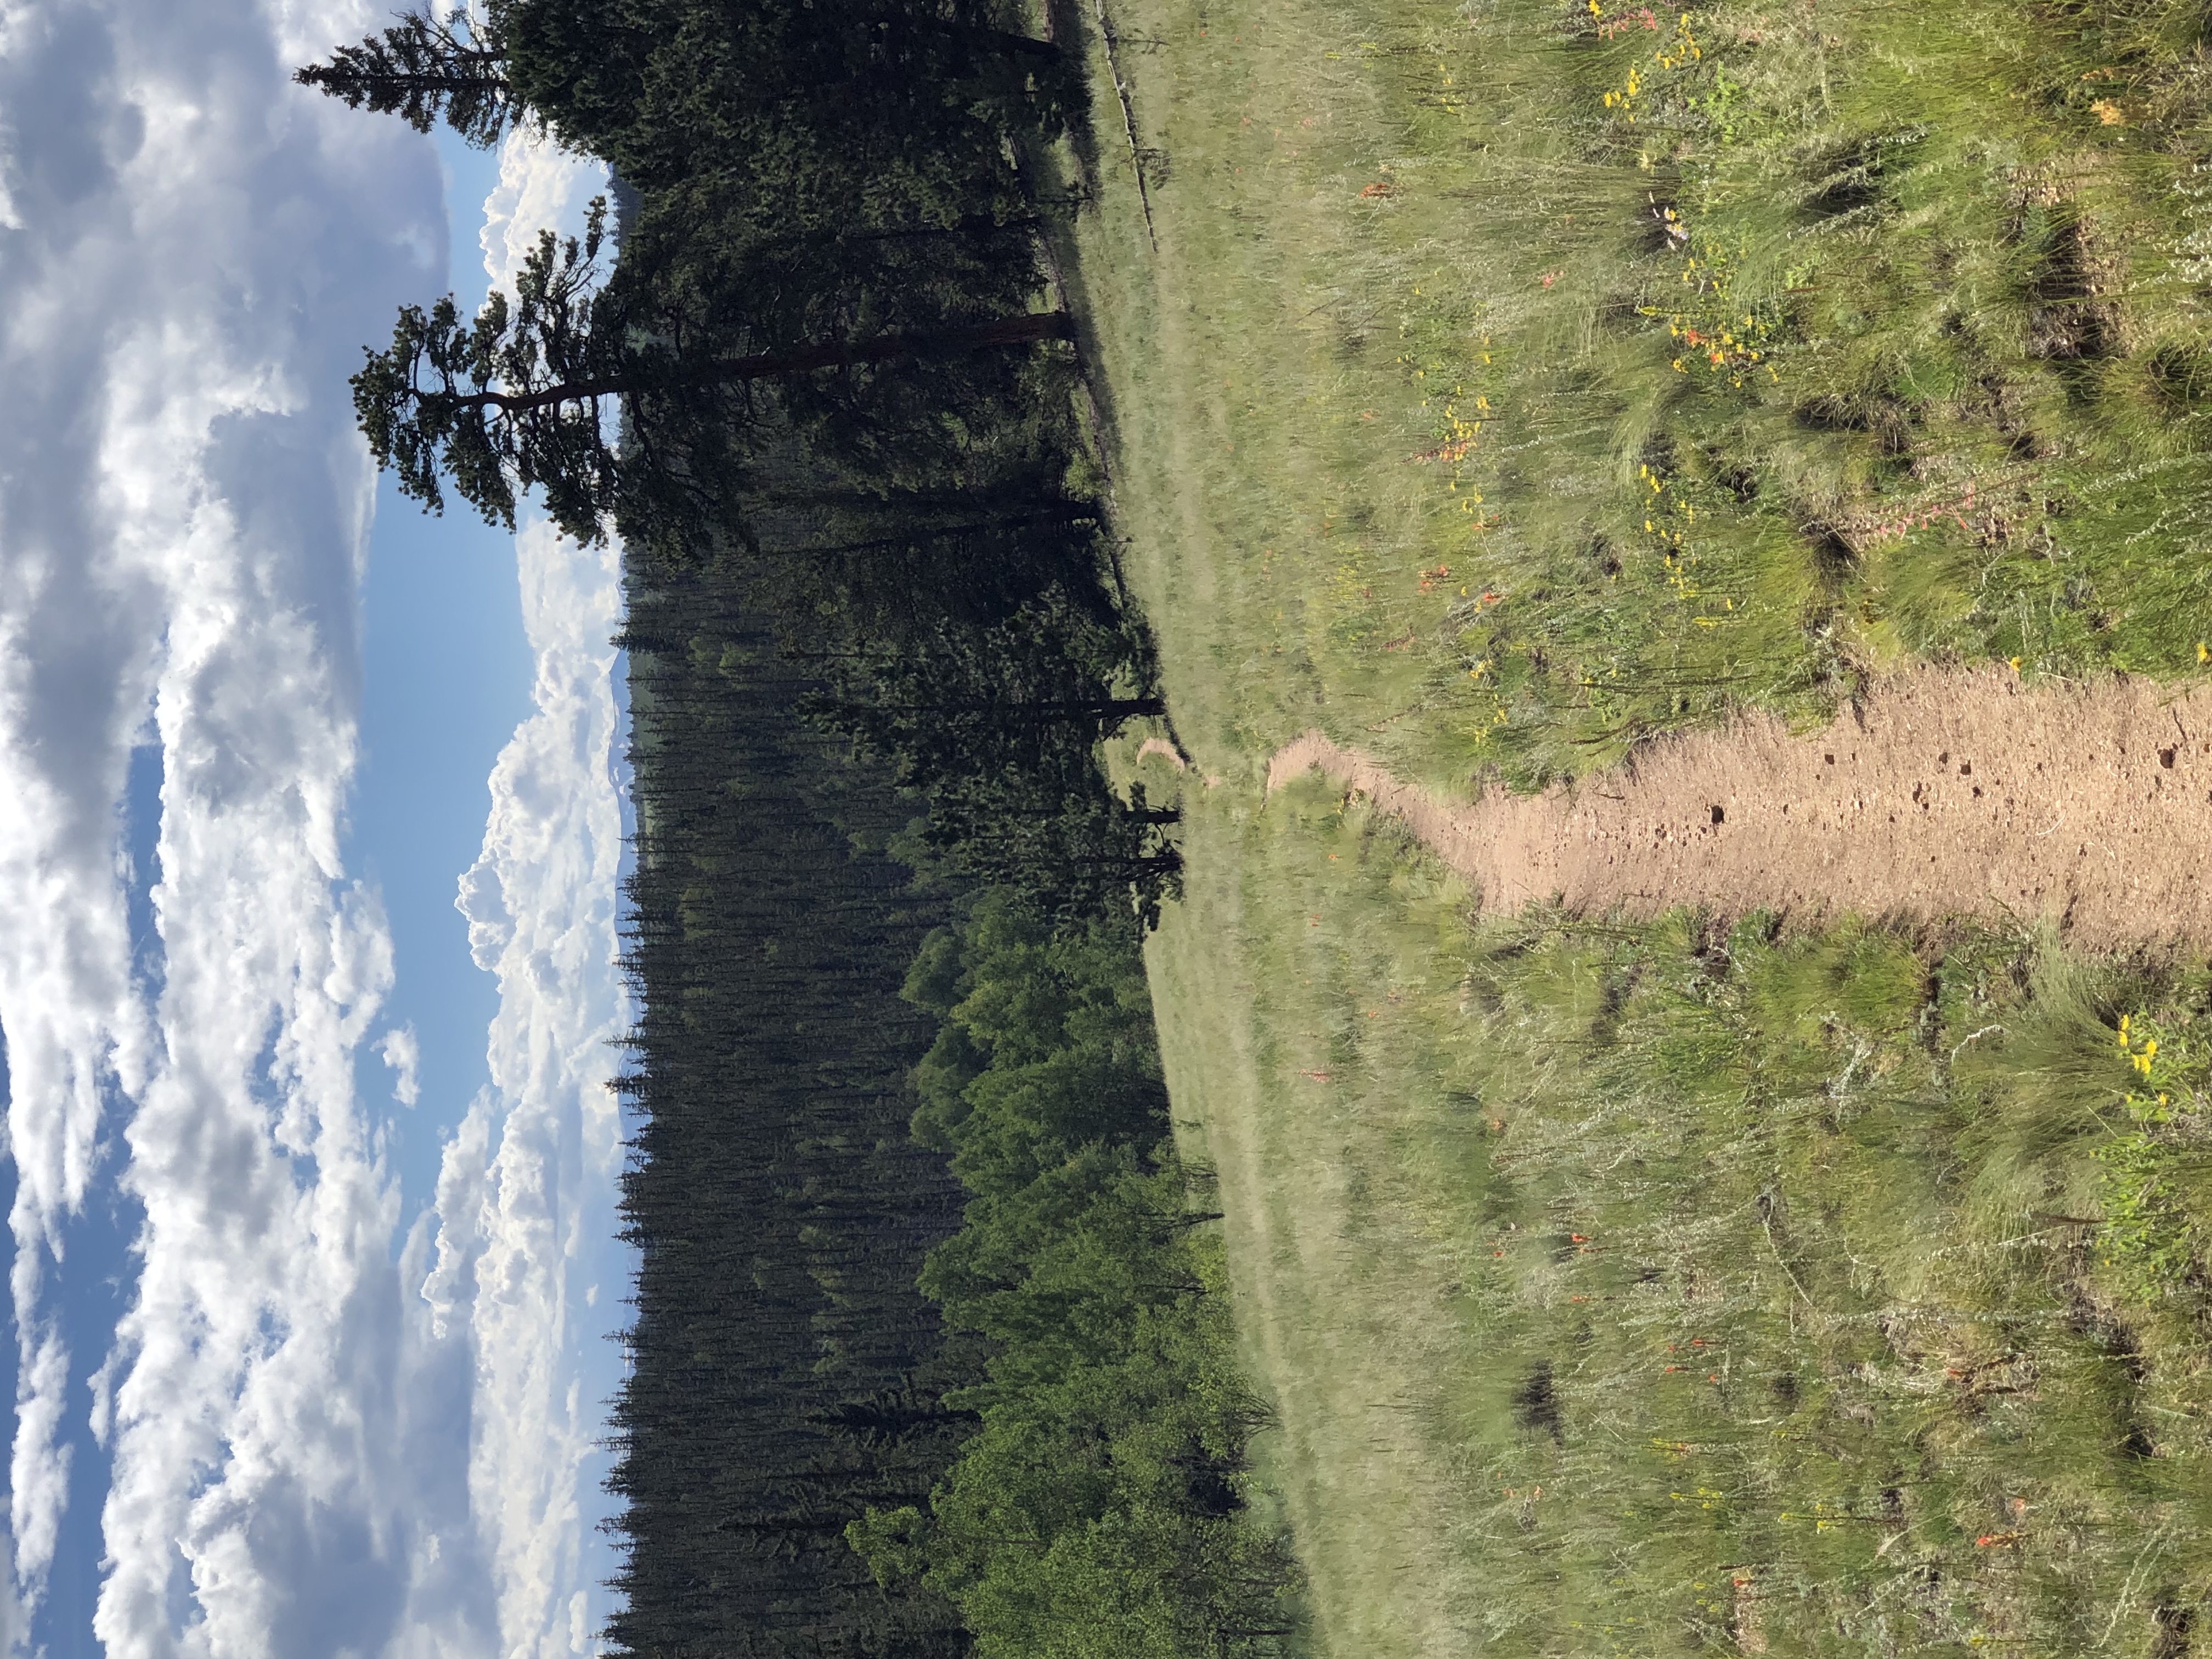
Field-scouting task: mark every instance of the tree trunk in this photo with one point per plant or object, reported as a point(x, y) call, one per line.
point(885, 347)
point(338, 77)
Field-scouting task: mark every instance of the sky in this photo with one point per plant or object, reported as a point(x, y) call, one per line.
point(311, 827)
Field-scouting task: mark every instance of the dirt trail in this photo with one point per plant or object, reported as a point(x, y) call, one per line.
point(1945, 792)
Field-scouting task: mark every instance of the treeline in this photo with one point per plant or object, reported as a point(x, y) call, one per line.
point(823, 396)
point(815, 1458)
point(1101, 1509)
point(785, 1375)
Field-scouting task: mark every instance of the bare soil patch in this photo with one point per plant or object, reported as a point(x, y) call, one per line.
point(1941, 793)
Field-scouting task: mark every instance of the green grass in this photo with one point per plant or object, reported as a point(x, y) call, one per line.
point(1841, 1293)
point(1380, 232)
point(1799, 1256)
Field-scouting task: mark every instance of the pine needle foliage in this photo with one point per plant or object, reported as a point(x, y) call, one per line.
point(427, 71)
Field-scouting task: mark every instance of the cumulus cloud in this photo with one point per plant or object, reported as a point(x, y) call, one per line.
point(525, 1229)
point(184, 248)
point(398, 1049)
point(310, 1455)
point(541, 187)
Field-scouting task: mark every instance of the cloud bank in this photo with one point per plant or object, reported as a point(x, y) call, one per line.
point(524, 1243)
point(524, 1247)
point(319, 1445)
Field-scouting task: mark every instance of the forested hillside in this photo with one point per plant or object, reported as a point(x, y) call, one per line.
point(968, 1388)
point(786, 1373)
point(1114, 1422)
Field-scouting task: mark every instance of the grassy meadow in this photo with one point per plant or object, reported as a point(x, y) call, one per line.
point(1497, 387)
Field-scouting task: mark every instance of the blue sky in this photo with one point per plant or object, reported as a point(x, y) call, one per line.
point(312, 1174)
point(445, 680)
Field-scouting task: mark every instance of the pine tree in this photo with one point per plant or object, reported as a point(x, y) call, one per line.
point(518, 398)
point(426, 70)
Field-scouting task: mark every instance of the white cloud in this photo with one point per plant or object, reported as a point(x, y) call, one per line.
point(541, 186)
point(309, 1457)
point(39, 1470)
point(525, 1229)
point(398, 1049)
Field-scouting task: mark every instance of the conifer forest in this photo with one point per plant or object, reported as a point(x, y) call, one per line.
point(930, 1353)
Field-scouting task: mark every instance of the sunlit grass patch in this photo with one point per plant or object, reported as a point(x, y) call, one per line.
point(1511, 385)
point(1569, 377)
point(1671, 1283)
